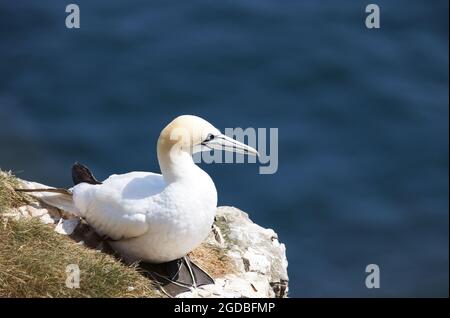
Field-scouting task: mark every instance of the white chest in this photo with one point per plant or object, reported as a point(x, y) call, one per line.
point(179, 219)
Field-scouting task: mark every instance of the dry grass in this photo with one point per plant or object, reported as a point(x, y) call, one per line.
point(8, 197)
point(33, 260)
point(213, 260)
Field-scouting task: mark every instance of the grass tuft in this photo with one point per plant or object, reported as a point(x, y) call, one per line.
point(33, 261)
point(8, 197)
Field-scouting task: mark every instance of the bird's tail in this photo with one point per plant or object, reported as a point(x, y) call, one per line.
point(56, 197)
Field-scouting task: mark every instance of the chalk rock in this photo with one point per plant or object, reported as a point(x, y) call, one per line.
point(259, 259)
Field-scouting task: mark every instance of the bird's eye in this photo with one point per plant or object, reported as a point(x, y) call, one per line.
point(209, 137)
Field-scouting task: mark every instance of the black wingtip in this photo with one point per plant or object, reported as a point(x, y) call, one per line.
point(81, 173)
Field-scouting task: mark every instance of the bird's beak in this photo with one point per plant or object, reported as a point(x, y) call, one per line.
point(223, 142)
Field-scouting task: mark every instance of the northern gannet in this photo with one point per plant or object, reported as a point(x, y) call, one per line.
point(150, 217)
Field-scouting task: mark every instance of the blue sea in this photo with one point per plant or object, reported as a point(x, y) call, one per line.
point(363, 172)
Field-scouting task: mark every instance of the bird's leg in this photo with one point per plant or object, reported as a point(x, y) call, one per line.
point(188, 265)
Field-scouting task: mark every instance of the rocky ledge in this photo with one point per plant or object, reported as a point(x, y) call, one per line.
point(245, 259)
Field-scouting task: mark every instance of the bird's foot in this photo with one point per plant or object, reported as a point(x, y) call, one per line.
point(178, 276)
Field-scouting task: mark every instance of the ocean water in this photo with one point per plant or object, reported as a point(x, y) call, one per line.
point(362, 116)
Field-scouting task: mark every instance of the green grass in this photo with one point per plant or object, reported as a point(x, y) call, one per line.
point(33, 259)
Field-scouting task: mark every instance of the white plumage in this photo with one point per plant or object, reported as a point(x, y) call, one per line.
point(150, 220)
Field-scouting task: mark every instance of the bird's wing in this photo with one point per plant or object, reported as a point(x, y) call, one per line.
point(117, 208)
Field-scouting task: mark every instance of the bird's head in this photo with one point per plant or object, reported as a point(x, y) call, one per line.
point(192, 134)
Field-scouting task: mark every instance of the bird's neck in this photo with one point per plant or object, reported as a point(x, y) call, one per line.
point(175, 164)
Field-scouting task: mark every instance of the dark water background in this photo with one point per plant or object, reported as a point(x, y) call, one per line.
point(362, 115)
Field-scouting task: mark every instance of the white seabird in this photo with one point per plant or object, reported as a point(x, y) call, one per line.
point(152, 217)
